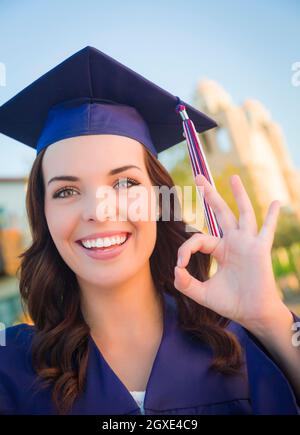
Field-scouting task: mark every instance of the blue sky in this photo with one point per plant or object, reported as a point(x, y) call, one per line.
point(248, 47)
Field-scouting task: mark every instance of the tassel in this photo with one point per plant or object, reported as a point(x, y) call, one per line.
point(199, 166)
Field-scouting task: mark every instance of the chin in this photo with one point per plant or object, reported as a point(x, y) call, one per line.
point(105, 278)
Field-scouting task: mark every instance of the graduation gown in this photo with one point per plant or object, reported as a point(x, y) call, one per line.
point(180, 381)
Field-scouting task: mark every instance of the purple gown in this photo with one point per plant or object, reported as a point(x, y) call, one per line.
point(180, 381)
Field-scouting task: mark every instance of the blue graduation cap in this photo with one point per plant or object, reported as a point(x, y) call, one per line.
point(92, 93)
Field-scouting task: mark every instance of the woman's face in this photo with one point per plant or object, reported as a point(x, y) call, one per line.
point(77, 212)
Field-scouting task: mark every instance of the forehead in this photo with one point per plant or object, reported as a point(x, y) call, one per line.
point(98, 153)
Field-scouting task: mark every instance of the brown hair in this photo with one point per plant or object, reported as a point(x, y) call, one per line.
point(51, 295)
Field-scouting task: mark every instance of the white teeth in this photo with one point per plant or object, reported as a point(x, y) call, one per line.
point(108, 242)
point(104, 242)
point(99, 243)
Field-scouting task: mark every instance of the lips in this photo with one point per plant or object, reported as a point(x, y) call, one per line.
point(105, 253)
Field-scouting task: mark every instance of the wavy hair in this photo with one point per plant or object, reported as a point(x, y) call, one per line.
point(51, 296)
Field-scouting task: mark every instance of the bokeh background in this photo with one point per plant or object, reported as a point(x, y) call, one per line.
point(238, 62)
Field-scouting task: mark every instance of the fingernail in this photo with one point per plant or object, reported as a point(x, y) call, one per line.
point(179, 261)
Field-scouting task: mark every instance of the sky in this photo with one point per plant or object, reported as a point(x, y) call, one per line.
point(249, 48)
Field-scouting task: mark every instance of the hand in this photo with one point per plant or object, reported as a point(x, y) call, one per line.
point(243, 289)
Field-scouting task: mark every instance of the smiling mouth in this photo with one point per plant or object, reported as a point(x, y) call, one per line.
point(104, 248)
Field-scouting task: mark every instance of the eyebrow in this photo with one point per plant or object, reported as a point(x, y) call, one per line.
point(73, 178)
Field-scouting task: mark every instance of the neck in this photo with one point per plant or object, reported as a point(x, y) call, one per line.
point(127, 311)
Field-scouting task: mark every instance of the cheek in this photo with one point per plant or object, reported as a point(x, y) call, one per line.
point(146, 226)
point(61, 223)
point(146, 234)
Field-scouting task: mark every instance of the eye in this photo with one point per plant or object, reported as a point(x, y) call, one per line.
point(65, 189)
point(125, 180)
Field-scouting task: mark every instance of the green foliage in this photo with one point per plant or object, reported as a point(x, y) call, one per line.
point(282, 262)
point(288, 229)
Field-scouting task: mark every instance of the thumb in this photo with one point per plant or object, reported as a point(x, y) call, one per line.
point(189, 286)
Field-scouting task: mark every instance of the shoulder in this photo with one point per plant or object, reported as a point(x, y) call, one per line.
point(246, 339)
point(238, 330)
point(15, 343)
point(15, 366)
point(270, 389)
point(17, 335)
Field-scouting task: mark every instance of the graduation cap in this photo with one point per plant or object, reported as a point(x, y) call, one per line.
point(92, 93)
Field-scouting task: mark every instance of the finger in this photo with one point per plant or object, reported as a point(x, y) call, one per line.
point(198, 242)
point(223, 213)
point(190, 286)
point(269, 226)
point(247, 219)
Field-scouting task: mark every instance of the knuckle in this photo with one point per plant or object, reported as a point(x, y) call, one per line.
point(197, 236)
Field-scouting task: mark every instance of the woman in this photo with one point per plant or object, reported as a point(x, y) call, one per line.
point(126, 319)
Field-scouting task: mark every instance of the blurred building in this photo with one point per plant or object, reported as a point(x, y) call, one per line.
point(12, 203)
point(14, 236)
point(14, 230)
point(250, 141)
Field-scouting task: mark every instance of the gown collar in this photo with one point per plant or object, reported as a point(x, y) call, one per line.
point(181, 380)
point(178, 377)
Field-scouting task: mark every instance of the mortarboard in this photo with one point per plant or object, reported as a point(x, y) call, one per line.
point(66, 101)
point(92, 93)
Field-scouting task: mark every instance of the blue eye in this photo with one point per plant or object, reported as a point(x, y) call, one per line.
point(66, 189)
point(127, 180)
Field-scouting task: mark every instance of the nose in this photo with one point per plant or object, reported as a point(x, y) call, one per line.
point(100, 205)
point(103, 204)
